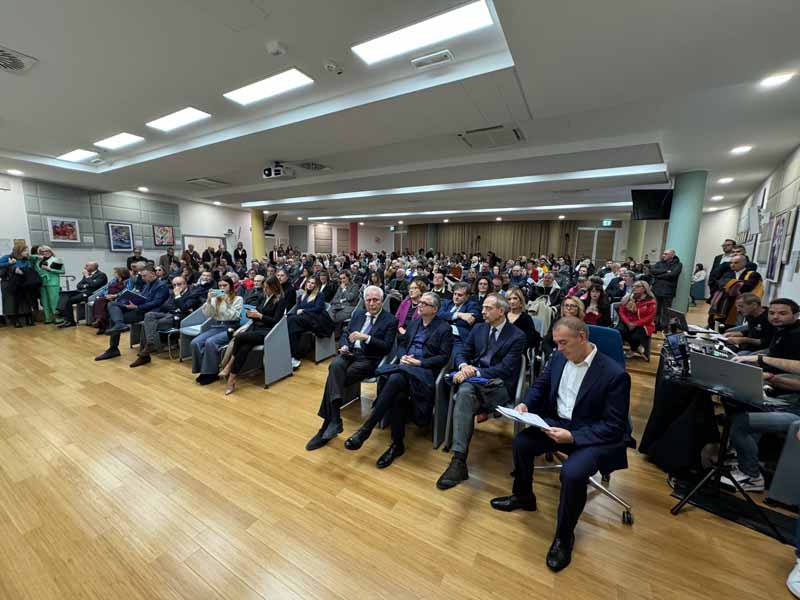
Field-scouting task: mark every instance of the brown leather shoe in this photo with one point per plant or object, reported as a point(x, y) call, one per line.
point(142, 359)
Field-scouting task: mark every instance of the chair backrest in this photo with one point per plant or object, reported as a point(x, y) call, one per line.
point(538, 325)
point(194, 318)
point(614, 312)
point(608, 341)
point(243, 318)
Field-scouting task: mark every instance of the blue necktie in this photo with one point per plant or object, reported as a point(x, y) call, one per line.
point(368, 328)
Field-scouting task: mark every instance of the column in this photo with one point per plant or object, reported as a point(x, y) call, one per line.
point(684, 227)
point(636, 239)
point(256, 234)
point(354, 237)
point(431, 232)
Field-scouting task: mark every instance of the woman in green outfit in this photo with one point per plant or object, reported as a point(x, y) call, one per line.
point(50, 268)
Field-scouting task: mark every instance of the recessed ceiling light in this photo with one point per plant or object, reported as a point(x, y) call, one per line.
point(498, 218)
point(630, 171)
point(361, 223)
point(121, 140)
point(217, 203)
point(324, 223)
point(77, 155)
point(271, 86)
point(143, 189)
point(561, 217)
point(178, 119)
point(445, 220)
point(717, 198)
point(442, 27)
point(777, 79)
point(16, 172)
point(299, 218)
point(741, 149)
point(399, 222)
point(725, 180)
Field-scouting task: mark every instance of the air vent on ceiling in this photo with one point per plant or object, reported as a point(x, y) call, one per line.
point(491, 137)
point(310, 165)
point(15, 62)
point(433, 60)
point(207, 183)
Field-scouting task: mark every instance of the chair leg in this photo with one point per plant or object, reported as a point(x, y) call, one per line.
point(593, 482)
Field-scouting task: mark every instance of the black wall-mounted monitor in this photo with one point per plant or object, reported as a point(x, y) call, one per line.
point(651, 204)
point(269, 221)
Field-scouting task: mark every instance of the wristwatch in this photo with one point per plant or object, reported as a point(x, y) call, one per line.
point(761, 361)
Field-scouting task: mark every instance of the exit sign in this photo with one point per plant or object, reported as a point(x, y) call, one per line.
point(606, 222)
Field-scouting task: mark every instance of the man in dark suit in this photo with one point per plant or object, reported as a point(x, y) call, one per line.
point(365, 341)
point(461, 311)
point(584, 396)
point(93, 280)
point(719, 261)
point(399, 283)
point(488, 363)
point(155, 292)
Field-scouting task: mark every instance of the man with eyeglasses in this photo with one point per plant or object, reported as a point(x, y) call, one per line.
point(364, 342)
point(488, 362)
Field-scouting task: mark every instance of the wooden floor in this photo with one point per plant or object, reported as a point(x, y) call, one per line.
point(119, 483)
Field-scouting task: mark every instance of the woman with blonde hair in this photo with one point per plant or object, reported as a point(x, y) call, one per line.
point(570, 307)
point(637, 313)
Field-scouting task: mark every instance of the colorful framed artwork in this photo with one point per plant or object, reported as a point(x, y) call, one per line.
point(64, 229)
point(120, 237)
point(163, 235)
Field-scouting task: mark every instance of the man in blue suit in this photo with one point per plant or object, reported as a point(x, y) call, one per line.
point(461, 312)
point(365, 341)
point(584, 396)
point(155, 292)
point(488, 363)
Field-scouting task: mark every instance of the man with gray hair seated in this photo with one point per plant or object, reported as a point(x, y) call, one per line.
point(93, 280)
point(365, 341)
point(488, 363)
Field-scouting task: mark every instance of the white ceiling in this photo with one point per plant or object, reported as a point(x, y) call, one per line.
point(591, 85)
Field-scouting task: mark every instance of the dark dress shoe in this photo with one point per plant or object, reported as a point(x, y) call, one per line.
point(332, 429)
point(455, 473)
point(387, 458)
point(355, 441)
point(142, 359)
point(66, 324)
point(560, 554)
point(206, 378)
point(117, 329)
point(316, 442)
point(509, 503)
point(100, 331)
point(110, 353)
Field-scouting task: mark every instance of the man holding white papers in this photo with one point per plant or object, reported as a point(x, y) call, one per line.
point(584, 397)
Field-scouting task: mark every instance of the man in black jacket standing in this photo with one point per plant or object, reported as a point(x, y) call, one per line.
point(719, 261)
point(665, 275)
point(93, 280)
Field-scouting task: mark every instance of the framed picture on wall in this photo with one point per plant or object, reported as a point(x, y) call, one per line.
point(789, 235)
point(120, 237)
point(780, 231)
point(64, 229)
point(163, 235)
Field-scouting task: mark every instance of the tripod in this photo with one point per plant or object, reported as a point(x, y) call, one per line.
point(719, 470)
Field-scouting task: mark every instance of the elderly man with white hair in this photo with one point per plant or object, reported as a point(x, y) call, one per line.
point(365, 341)
point(93, 280)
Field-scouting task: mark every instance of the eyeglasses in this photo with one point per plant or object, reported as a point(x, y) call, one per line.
point(429, 304)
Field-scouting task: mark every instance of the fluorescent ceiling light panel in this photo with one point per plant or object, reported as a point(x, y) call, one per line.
point(725, 180)
point(468, 185)
point(433, 213)
point(15, 172)
point(454, 23)
point(77, 155)
point(178, 119)
point(777, 79)
point(271, 86)
point(143, 189)
point(717, 198)
point(121, 140)
point(741, 149)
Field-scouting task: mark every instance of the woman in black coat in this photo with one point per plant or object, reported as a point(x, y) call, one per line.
point(407, 388)
point(265, 316)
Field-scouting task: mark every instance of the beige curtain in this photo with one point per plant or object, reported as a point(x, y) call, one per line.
point(511, 239)
point(417, 237)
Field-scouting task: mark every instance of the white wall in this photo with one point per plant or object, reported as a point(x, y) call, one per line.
point(653, 240)
point(13, 216)
point(204, 219)
point(367, 235)
point(714, 228)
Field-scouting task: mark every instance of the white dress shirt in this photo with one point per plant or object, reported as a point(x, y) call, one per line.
point(570, 384)
point(498, 330)
point(369, 320)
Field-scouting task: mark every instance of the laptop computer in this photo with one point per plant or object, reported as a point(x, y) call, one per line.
point(739, 381)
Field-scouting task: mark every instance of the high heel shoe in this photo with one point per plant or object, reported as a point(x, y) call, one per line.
point(231, 387)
